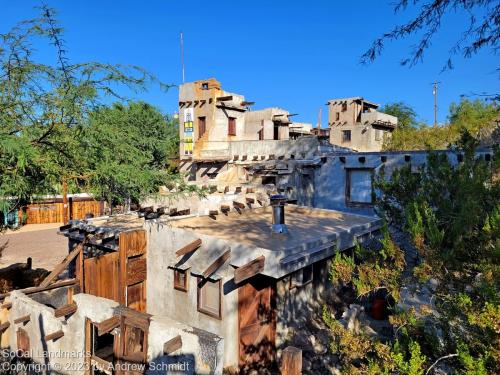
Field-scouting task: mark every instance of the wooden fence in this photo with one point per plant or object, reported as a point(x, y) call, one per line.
point(43, 213)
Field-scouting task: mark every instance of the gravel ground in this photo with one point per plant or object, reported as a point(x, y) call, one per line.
point(45, 247)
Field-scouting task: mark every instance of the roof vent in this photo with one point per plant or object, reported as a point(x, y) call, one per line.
point(278, 203)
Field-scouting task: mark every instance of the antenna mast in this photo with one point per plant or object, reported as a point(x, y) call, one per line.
point(182, 56)
point(435, 93)
point(319, 117)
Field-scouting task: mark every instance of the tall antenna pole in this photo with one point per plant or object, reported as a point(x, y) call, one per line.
point(182, 56)
point(435, 93)
point(319, 117)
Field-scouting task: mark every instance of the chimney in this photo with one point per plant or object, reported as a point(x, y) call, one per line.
point(278, 203)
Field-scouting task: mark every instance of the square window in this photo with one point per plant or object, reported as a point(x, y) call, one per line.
point(204, 86)
point(359, 188)
point(346, 136)
point(337, 116)
point(344, 106)
point(209, 297)
point(181, 280)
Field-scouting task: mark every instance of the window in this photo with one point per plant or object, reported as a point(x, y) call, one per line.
point(102, 346)
point(209, 297)
point(337, 116)
point(346, 136)
point(302, 277)
point(378, 134)
point(344, 106)
point(261, 134)
point(181, 280)
point(201, 126)
point(204, 86)
point(231, 126)
point(359, 187)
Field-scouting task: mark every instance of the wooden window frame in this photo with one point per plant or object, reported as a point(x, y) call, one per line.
point(348, 201)
point(177, 285)
point(199, 301)
point(231, 126)
point(202, 120)
point(344, 132)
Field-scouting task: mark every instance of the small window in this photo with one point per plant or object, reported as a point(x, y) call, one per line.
point(337, 116)
point(346, 136)
point(359, 187)
point(202, 126)
point(378, 134)
point(231, 126)
point(302, 277)
point(204, 86)
point(209, 297)
point(181, 280)
point(344, 106)
point(261, 134)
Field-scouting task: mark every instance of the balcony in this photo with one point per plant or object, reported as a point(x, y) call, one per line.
point(379, 119)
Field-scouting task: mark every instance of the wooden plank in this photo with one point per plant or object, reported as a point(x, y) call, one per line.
point(192, 246)
point(65, 310)
point(107, 325)
point(250, 269)
point(172, 345)
point(224, 98)
point(136, 296)
point(133, 243)
point(250, 200)
point(4, 326)
point(136, 270)
point(217, 263)
point(291, 361)
point(54, 335)
point(61, 266)
point(101, 276)
point(225, 208)
point(23, 319)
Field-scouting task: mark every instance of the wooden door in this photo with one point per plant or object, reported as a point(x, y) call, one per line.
point(133, 269)
point(257, 323)
point(102, 275)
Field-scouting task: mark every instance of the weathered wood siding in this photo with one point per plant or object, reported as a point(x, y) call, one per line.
point(43, 213)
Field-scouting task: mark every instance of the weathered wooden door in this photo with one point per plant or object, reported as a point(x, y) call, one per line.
point(257, 323)
point(133, 269)
point(23, 341)
point(102, 275)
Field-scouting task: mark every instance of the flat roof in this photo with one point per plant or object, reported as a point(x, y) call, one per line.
point(313, 234)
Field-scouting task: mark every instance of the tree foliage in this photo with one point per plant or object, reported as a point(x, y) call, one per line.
point(451, 213)
point(478, 117)
point(481, 32)
point(45, 110)
point(407, 117)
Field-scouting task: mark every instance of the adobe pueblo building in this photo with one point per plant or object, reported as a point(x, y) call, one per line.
point(218, 290)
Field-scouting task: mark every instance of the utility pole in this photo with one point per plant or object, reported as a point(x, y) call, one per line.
point(435, 93)
point(182, 56)
point(319, 117)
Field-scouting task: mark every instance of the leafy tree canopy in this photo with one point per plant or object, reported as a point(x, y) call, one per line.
point(407, 117)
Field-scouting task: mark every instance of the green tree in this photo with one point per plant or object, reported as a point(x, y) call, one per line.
point(407, 117)
point(128, 150)
point(44, 108)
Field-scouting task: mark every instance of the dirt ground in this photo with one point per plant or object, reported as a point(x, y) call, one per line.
point(41, 243)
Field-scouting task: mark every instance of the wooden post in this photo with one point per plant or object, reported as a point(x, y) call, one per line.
point(291, 361)
point(65, 200)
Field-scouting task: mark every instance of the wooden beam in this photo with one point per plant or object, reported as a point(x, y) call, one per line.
point(172, 345)
point(108, 325)
point(23, 319)
point(224, 98)
point(61, 266)
point(217, 263)
point(4, 326)
point(225, 208)
point(7, 305)
point(37, 289)
point(65, 310)
point(213, 212)
point(239, 205)
point(192, 246)
point(54, 335)
point(291, 361)
point(250, 269)
point(250, 200)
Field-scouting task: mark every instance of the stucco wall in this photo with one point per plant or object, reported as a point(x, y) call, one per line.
point(164, 300)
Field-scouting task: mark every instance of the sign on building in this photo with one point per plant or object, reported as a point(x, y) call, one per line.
point(188, 138)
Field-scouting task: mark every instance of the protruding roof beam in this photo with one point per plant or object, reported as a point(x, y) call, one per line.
point(217, 263)
point(250, 269)
point(192, 246)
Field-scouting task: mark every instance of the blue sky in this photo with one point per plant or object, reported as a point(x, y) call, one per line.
point(291, 54)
